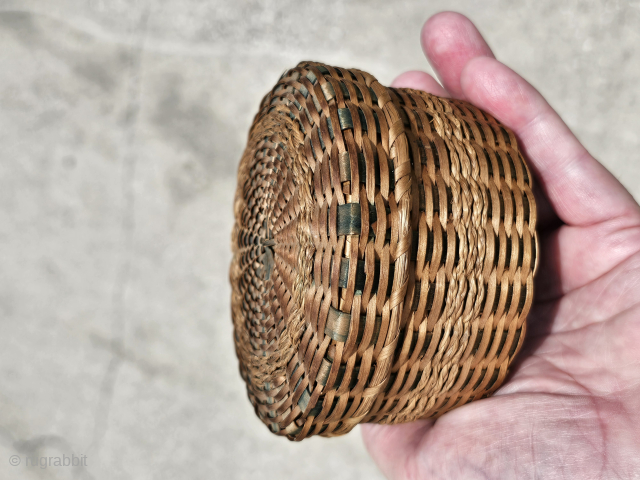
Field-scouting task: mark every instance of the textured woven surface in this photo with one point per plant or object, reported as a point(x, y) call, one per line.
point(384, 253)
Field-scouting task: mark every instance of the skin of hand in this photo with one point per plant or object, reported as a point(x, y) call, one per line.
point(570, 407)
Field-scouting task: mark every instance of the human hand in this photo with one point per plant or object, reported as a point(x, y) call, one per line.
point(571, 405)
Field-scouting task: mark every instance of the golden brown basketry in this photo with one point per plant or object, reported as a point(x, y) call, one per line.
point(384, 253)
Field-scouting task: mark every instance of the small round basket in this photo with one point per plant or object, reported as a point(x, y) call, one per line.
point(384, 250)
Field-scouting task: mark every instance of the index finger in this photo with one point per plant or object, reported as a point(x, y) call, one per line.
point(580, 190)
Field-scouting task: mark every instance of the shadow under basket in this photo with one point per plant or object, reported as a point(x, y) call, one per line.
point(384, 250)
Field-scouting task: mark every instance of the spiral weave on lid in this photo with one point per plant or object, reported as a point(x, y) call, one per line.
point(384, 253)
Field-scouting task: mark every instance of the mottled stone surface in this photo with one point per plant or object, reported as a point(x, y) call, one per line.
point(121, 125)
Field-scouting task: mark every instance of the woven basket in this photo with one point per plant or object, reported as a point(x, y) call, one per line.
point(384, 253)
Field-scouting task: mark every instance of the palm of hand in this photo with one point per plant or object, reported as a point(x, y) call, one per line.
point(569, 409)
point(571, 405)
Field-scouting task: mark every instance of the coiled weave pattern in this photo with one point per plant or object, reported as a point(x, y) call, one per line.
point(384, 253)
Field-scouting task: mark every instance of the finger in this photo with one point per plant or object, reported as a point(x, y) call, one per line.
point(450, 40)
point(580, 190)
point(546, 217)
point(576, 256)
point(391, 446)
point(420, 81)
point(423, 81)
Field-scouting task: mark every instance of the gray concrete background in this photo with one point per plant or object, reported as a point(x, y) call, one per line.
point(121, 125)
